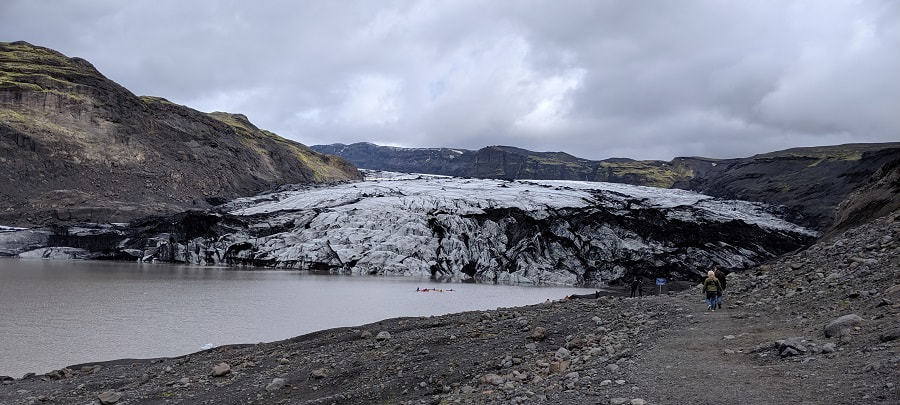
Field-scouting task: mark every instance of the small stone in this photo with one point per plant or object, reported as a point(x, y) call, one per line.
point(276, 384)
point(638, 401)
point(220, 370)
point(539, 333)
point(790, 351)
point(109, 397)
point(559, 366)
point(491, 378)
point(890, 335)
point(576, 343)
point(872, 367)
point(318, 373)
point(563, 354)
point(612, 367)
point(365, 334)
point(383, 335)
point(840, 326)
point(619, 401)
point(284, 361)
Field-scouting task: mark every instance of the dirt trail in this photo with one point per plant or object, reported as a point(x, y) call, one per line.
point(709, 360)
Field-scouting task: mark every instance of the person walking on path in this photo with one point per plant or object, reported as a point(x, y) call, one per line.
point(711, 287)
point(720, 275)
point(637, 287)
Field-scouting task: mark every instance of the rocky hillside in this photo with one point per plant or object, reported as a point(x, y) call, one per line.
point(812, 181)
point(76, 147)
point(820, 326)
point(809, 181)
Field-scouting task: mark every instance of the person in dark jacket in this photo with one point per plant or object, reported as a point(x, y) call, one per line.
point(711, 287)
point(636, 286)
point(720, 275)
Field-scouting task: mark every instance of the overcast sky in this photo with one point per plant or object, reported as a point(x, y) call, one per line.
point(596, 79)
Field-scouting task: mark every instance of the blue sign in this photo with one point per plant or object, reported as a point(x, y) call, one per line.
point(660, 281)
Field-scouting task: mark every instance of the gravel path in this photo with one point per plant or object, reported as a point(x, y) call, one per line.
point(705, 361)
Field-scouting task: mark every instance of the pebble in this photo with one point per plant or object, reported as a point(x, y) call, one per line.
point(221, 370)
point(276, 384)
point(109, 397)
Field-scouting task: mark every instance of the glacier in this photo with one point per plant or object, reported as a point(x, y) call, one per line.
point(522, 231)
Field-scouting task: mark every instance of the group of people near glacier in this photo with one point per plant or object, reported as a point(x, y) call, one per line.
point(714, 287)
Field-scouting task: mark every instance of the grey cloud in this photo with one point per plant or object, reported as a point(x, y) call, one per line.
point(591, 78)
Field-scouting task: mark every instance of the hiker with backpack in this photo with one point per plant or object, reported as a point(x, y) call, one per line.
point(720, 275)
point(711, 287)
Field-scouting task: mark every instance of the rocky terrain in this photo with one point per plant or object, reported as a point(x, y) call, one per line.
point(77, 147)
point(821, 325)
point(539, 231)
point(809, 181)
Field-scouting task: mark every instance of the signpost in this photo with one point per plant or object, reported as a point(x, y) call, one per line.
point(660, 282)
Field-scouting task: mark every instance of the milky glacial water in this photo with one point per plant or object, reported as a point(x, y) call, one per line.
point(59, 313)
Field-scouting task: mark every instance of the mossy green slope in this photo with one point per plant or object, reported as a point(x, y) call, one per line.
point(79, 147)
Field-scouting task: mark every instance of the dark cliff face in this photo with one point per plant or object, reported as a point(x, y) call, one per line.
point(878, 197)
point(810, 182)
point(443, 161)
point(77, 147)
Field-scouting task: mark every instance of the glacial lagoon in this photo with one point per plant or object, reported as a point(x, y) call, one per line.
point(59, 313)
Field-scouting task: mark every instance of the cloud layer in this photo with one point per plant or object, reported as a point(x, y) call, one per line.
point(594, 78)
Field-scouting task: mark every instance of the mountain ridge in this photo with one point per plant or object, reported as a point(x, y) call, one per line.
point(81, 148)
point(811, 181)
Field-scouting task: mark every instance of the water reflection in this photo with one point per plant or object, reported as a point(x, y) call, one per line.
point(57, 313)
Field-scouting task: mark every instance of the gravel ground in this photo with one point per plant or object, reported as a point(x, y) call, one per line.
point(776, 341)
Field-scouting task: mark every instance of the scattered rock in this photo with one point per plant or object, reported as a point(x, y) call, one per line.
point(557, 367)
point(276, 384)
point(890, 335)
point(109, 397)
point(383, 335)
point(491, 378)
point(318, 373)
point(794, 346)
point(842, 325)
point(221, 370)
